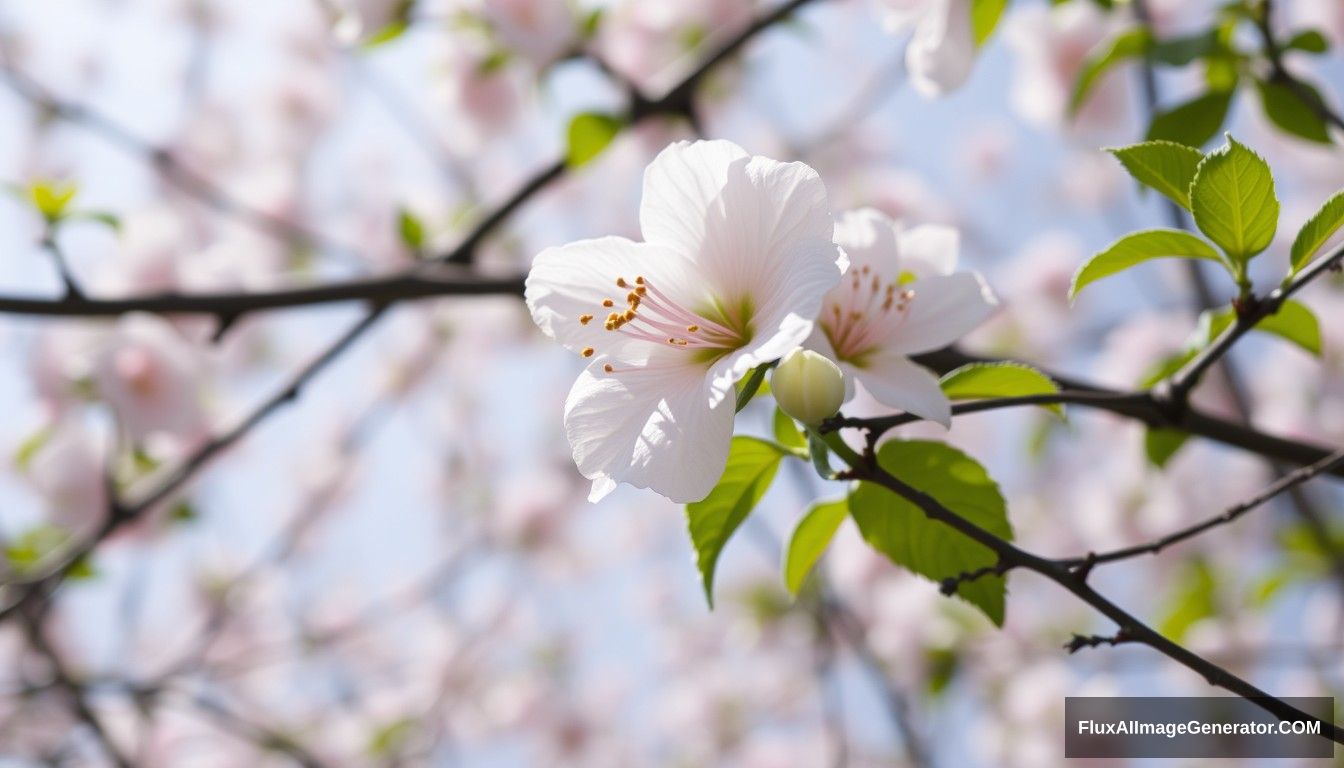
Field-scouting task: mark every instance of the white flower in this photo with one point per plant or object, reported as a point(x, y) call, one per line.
point(898, 298)
point(942, 51)
point(736, 258)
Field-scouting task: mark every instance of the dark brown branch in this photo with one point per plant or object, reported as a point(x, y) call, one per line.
point(1282, 485)
point(1249, 313)
point(1131, 629)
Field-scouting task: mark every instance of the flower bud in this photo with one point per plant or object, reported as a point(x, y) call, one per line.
point(808, 386)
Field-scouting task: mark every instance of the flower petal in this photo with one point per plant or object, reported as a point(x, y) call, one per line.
point(570, 281)
point(789, 299)
point(650, 427)
point(944, 308)
point(869, 237)
point(929, 249)
point(942, 52)
point(680, 186)
point(893, 380)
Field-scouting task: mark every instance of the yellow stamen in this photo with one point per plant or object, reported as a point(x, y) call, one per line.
point(587, 352)
point(585, 319)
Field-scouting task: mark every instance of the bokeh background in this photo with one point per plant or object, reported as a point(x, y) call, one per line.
point(400, 567)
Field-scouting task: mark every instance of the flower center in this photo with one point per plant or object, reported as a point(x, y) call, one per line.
point(652, 315)
point(854, 320)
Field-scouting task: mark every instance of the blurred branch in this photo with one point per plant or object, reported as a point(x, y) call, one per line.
point(63, 680)
point(1274, 54)
point(171, 169)
point(677, 101)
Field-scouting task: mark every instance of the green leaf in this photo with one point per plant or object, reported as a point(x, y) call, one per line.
point(103, 217)
point(985, 15)
point(1232, 199)
point(1161, 444)
point(750, 385)
point(388, 740)
point(1319, 228)
point(1166, 367)
point(387, 34)
point(1137, 248)
point(1130, 44)
point(1286, 109)
point(29, 552)
point(1308, 41)
point(399, 21)
point(751, 468)
point(810, 538)
point(981, 381)
point(901, 531)
point(1182, 51)
point(1296, 323)
point(411, 229)
point(51, 197)
point(1165, 166)
point(1194, 122)
point(787, 433)
point(589, 134)
point(30, 447)
point(1195, 598)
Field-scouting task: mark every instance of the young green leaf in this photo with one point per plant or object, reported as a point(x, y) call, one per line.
point(1296, 323)
point(1165, 166)
point(810, 538)
point(1130, 44)
point(411, 230)
point(787, 433)
point(751, 468)
point(1137, 248)
point(51, 198)
point(1194, 122)
point(1308, 41)
point(1161, 444)
point(985, 15)
point(1286, 109)
point(901, 531)
point(980, 381)
point(1194, 598)
point(1182, 51)
point(1319, 228)
point(589, 134)
point(1232, 199)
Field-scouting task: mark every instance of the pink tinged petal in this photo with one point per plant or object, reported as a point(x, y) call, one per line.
point(569, 283)
point(649, 427)
point(942, 52)
point(943, 309)
point(870, 238)
point(680, 186)
point(895, 381)
point(929, 249)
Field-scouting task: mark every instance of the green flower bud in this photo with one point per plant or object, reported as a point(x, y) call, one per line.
point(808, 386)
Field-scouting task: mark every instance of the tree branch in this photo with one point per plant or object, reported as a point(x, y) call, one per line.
point(1131, 629)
